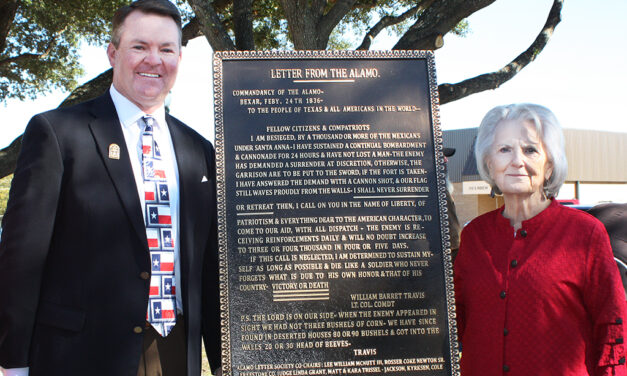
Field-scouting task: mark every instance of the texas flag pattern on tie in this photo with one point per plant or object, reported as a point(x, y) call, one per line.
point(162, 310)
point(154, 237)
point(156, 192)
point(162, 262)
point(150, 191)
point(162, 294)
point(163, 192)
point(155, 286)
point(168, 286)
point(167, 240)
point(161, 287)
point(158, 215)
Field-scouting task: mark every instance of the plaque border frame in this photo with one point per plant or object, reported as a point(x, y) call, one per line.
point(218, 58)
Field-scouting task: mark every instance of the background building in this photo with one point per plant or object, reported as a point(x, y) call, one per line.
point(597, 171)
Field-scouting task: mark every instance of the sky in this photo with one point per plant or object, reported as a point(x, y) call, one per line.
point(580, 75)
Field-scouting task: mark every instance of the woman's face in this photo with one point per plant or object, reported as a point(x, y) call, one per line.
point(517, 161)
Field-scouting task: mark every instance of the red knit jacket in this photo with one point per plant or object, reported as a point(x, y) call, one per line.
point(546, 300)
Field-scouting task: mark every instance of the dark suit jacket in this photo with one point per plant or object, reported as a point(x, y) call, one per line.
point(73, 255)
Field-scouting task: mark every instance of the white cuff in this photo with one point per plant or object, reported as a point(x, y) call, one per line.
point(14, 371)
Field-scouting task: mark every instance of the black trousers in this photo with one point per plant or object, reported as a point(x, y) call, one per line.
point(164, 356)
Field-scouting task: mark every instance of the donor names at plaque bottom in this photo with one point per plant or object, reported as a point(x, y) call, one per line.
point(350, 367)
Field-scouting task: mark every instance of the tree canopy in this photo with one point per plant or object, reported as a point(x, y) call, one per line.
point(310, 24)
point(39, 39)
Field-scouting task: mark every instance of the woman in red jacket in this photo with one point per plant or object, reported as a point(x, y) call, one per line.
point(537, 289)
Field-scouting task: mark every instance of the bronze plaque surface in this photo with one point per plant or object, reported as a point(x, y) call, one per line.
point(331, 203)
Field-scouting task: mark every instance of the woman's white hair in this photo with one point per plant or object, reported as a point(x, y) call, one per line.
point(547, 127)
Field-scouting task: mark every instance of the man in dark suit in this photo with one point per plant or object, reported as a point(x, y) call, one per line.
point(86, 274)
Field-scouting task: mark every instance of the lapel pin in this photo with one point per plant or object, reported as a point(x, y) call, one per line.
point(114, 151)
point(204, 179)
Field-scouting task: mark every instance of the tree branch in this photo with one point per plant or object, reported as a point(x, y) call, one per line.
point(8, 157)
point(388, 21)
point(191, 30)
point(28, 56)
point(8, 8)
point(438, 19)
point(90, 89)
point(309, 27)
point(243, 25)
point(329, 21)
point(211, 25)
point(221, 5)
point(452, 92)
point(384, 22)
point(301, 22)
point(318, 6)
point(17, 59)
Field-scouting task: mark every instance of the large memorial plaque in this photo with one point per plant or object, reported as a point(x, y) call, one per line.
point(332, 216)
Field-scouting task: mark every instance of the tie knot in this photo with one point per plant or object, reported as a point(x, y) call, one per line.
point(148, 122)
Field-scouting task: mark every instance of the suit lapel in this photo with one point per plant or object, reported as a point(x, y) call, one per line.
point(107, 131)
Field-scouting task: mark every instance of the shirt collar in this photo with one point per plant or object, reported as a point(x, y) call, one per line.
point(129, 113)
point(531, 224)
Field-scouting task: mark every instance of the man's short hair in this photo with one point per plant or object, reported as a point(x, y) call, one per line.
point(159, 7)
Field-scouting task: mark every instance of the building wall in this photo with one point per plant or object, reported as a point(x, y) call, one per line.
point(595, 156)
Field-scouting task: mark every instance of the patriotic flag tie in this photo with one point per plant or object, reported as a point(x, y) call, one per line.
point(162, 300)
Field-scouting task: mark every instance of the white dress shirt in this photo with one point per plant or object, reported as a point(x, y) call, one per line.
point(129, 114)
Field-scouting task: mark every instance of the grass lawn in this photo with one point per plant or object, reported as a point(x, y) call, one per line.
point(206, 371)
point(5, 184)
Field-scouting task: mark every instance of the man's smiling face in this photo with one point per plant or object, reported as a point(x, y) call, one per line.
point(146, 60)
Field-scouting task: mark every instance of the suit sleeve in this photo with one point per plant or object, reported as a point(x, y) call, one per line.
point(211, 276)
point(26, 235)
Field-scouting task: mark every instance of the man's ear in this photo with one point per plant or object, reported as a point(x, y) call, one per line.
point(111, 53)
